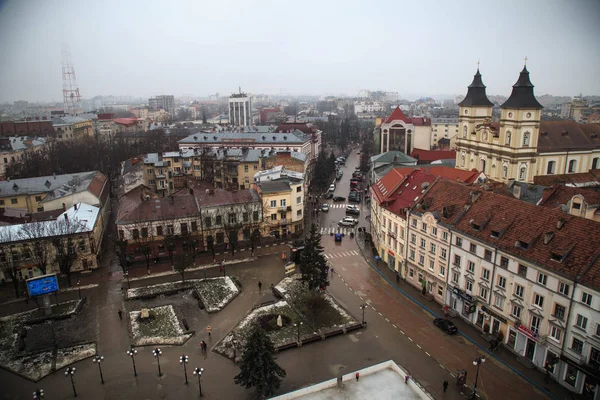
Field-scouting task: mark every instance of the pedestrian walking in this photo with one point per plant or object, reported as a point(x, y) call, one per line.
point(120, 314)
point(397, 278)
point(208, 330)
point(406, 379)
point(259, 286)
point(445, 386)
point(357, 376)
point(283, 257)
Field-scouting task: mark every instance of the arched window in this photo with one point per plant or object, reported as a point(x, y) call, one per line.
point(462, 160)
point(572, 166)
point(596, 163)
point(551, 168)
point(508, 137)
point(505, 171)
point(465, 131)
point(526, 139)
point(522, 173)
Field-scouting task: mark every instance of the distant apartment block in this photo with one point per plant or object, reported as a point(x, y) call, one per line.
point(163, 102)
point(240, 109)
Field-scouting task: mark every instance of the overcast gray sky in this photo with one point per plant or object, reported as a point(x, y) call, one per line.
point(197, 47)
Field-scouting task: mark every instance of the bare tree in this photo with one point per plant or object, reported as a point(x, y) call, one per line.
point(8, 264)
point(143, 239)
point(182, 262)
point(64, 232)
point(36, 234)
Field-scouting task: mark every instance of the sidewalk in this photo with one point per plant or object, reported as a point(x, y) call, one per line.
point(502, 354)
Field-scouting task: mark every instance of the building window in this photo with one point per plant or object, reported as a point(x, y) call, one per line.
point(473, 248)
point(551, 168)
point(424, 227)
point(465, 132)
point(526, 136)
point(38, 198)
point(519, 290)
point(207, 222)
point(432, 248)
point(413, 238)
point(486, 274)
point(283, 202)
point(459, 242)
point(502, 282)
point(13, 201)
point(538, 300)
point(535, 324)
point(488, 255)
point(572, 166)
point(457, 260)
point(559, 311)
point(522, 271)
point(159, 231)
point(431, 265)
point(555, 333)
point(596, 163)
point(299, 213)
point(581, 321)
point(273, 217)
point(563, 288)
point(245, 168)
point(483, 292)
point(471, 267)
point(522, 173)
point(440, 291)
point(219, 220)
point(414, 222)
point(135, 234)
point(469, 286)
point(195, 226)
point(144, 232)
point(504, 262)
point(421, 259)
point(542, 279)
point(273, 203)
point(516, 311)
point(505, 171)
point(445, 236)
point(299, 200)
point(443, 254)
point(499, 302)
point(455, 277)
point(434, 231)
point(442, 271)
point(577, 346)
point(508, 137)
point(586, 298)
point(411, 254)
point(423, 243)
point(170, 230)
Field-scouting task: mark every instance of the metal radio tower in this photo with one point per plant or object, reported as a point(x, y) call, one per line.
point(71, 96)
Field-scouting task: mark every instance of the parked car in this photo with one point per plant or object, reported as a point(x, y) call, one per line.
point(348, 221)
point(354, 199)
point(445, 325)
point(325, 207)
point(338, 177)
point(352, 209)
point(329, 196)
point(332, 187)
point(339, 198)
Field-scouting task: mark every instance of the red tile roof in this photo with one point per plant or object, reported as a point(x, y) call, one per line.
point(445, 172)
point(386, 186)
point(433, 155)
point(397, 115)
point(551, 239)
point(559, 194)
point(126, 121)
point(410, 190)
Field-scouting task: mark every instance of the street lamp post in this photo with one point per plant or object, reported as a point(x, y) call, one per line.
point(298, 326)
point(198, 372)
point(99, 360)
point(363, 307)
point(157, 353)
point(184, 360)
point(79, 287)
point(127, 277)
point(478, 361)
point(38, 394)
point(70, 371)
point(131, 353)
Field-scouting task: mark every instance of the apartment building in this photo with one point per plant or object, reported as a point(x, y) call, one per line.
point(240, 109)
point(527, 278)
point(13, 149)
point(73, 127)
point(283, 205)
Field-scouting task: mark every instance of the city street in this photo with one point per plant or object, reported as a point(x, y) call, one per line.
point(397, 328)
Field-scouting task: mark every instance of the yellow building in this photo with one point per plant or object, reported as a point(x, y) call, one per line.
point(72, 127)
point(521, 146)
point(283, 206)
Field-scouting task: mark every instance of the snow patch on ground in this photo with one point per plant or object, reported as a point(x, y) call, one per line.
point(193, 269)
point(34, 367)
point(158, 289)
point(70, 355)
point(216, 293)
point(162, 328)
point(339, 309)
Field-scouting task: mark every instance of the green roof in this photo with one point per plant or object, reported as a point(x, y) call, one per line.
point(389, 158)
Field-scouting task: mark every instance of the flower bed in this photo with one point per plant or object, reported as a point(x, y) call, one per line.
point(161, 328)
point(148, 292)
point(70, 355)
point(216, 293)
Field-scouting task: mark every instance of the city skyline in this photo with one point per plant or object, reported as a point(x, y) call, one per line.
point(200, 49)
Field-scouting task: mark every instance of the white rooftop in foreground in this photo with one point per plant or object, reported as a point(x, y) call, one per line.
point(383, 381)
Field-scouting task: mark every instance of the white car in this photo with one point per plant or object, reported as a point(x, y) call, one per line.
point(332, 187)
point(348, 221)
point(325, 207)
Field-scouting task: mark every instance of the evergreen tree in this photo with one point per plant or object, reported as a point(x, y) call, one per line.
point(313, 266)
point(258, 367)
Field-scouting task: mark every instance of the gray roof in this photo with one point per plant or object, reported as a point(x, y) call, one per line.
point(274, 186)
point(15, 143)
point(388, 157)
point(245, 155)
point(45, 184)
point(69, 120)
point(296, 137)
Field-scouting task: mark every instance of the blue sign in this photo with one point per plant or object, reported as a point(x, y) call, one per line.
point(40, 285)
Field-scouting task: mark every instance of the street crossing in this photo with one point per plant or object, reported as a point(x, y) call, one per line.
point(342, 205)
point(341, 254)
point(329, 231)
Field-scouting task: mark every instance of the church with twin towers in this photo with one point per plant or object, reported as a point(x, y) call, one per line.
point(521, 146)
